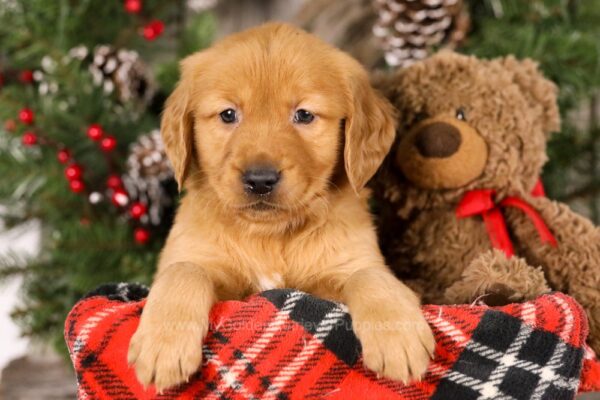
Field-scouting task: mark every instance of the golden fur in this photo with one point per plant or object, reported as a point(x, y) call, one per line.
point(314, 233)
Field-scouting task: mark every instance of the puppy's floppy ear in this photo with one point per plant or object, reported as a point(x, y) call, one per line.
point(177, 124)
point(369, 131)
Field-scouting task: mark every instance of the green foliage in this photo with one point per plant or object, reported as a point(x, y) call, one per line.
point(83, 245)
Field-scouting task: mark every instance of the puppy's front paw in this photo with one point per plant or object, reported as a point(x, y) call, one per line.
point(166, 353)
point(397, 344)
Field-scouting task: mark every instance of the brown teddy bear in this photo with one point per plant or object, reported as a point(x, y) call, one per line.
point(462, 215)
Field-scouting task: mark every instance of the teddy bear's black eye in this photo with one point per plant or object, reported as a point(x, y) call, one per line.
point(228, 116)
point(420, 117)
point(461, 114)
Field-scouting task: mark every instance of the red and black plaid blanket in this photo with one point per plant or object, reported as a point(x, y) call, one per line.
point(285, 344)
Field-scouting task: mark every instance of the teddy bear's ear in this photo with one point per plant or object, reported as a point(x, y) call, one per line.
point(541, 93)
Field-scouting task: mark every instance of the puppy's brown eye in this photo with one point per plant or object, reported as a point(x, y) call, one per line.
point(461, 114)
point(303, 117)
point(228, 116)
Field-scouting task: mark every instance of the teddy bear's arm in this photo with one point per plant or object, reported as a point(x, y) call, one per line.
point(573, 265)
point(434, 249)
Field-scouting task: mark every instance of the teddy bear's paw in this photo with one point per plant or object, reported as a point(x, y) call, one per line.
point(496, 280)
point(166, 354)
point(397, 347)
point(499, 294)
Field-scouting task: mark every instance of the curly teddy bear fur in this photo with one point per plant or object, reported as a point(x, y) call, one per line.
point(445, 104)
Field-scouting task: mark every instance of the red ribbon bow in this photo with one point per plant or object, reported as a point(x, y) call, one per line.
point(481, 202)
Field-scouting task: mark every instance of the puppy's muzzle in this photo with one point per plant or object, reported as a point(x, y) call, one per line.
point(260, 180)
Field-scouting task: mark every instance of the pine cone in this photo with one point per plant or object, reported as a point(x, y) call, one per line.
point(120, 70)
point(410, 29)
point(149, 176)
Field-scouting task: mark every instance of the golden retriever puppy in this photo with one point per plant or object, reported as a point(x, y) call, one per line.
point(274, 134)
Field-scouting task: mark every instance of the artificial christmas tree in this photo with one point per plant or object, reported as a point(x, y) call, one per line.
point(80, 83)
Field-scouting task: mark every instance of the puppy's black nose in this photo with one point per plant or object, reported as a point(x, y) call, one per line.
point(260, 180)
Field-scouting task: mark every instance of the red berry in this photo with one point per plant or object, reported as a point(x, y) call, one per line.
point(63, 155)
point(26, 76)
point(108, 143)
point(76, 186)
point(95, 132)
point(133, 6)
point(10, 125)
point(1, 80)
point(26, 116)
point(73, 172)
point(114, 182)
point(158, 26)
point(148, 33)
point(120, 198)
point(29, 138)
point(141, 235)
point(137, 210)
point(153, 29)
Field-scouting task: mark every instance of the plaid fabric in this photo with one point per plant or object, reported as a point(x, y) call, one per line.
point(285, 344)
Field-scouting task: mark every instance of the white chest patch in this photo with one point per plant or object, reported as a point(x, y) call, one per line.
point(271, 281)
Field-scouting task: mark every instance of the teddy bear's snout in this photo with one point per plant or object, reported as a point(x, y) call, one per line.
point(442, 152)
point(440, 140)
